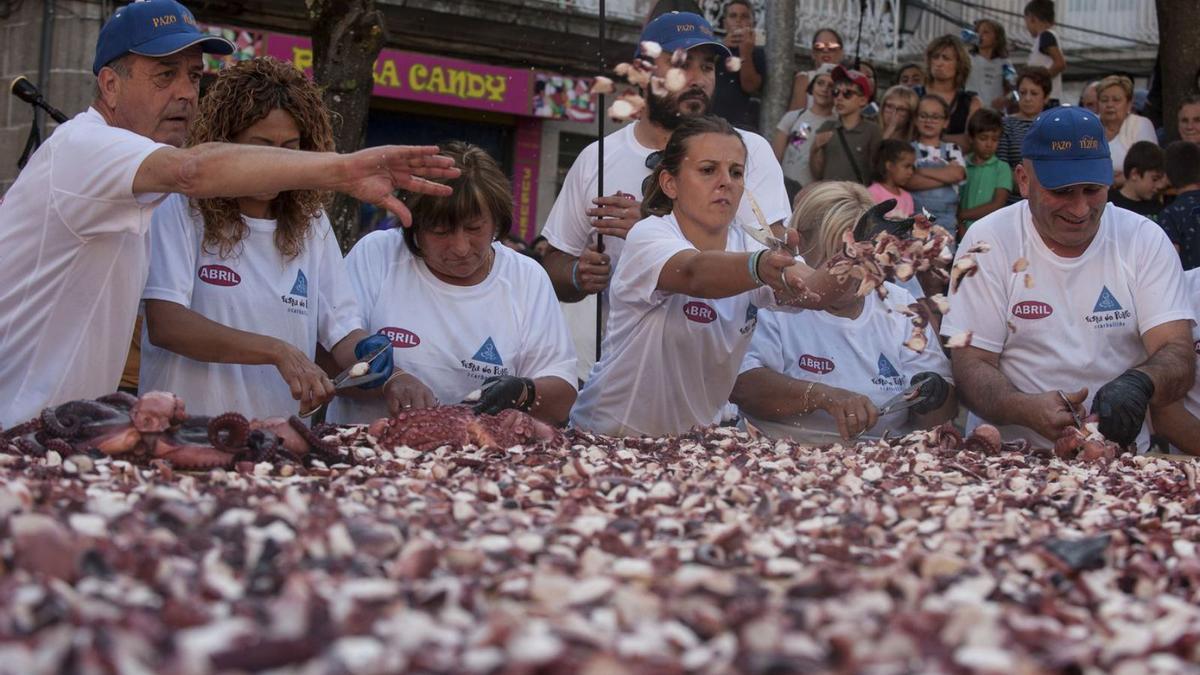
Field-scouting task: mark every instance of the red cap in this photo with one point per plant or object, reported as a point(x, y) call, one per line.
point(841, 74)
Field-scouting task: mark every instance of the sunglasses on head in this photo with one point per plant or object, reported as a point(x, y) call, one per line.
point(654, 159)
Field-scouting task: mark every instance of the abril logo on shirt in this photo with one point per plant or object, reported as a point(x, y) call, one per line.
point(400, 337)
point(1032, 309)
point(218, 275)
point(816, 364)
point(699, 312)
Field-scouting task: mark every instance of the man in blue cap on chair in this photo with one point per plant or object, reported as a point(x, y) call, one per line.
point(575, 267)
point(74, 245)
point(1077, 299)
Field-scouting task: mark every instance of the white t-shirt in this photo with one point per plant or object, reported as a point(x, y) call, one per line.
point(987, 78)
point(1135, 128)
point(301, 301)
point(669, 360)
point(73, 259)
point(801, 128)
point(450, 337)
point(1192, 281)
point(1046, 39)
point(865, 355)
point(1081, 324)
point(569, 229)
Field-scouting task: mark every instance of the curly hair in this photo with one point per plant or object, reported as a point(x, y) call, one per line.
point(243, 95)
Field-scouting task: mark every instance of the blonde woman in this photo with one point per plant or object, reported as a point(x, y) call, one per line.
point(821, 375)
point(898, 113)
point(1122, 127)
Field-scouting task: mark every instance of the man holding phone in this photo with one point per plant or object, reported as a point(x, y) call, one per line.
point(738, 93)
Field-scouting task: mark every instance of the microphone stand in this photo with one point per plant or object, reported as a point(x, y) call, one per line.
point(26, 91)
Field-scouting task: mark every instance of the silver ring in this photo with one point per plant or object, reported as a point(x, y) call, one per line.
point(852, 415)
point(407, 406)
point(783, 279)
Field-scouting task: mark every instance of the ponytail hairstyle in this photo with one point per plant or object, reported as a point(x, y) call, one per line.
point(655, 202)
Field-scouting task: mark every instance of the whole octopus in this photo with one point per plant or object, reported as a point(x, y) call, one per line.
point(156, 426)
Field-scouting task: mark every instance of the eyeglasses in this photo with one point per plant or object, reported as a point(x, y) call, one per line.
point(894, 108)
point(654, 159)
point(846, 93)
point(931, 117)
point(826, 46)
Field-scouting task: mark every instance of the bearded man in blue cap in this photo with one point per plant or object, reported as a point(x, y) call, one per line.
point(74, 245)
point(1075, 297)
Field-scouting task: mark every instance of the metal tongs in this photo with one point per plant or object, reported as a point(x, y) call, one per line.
point(347, 379)
point(762, 233)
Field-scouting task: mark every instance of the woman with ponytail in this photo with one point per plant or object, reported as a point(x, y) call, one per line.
point(686, 296)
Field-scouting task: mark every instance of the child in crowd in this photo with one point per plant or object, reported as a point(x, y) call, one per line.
point(989, 181)
point(846, 148)
point(1145, 180)
point(1181, 220)
point(1039, 20)
point(940, 166)
point(892, 171)
point(899, 113)
point(911, 75)
point(990, 67)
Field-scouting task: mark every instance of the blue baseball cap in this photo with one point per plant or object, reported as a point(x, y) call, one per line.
point(681, 30)
point(153, 28)
point(1067, 146)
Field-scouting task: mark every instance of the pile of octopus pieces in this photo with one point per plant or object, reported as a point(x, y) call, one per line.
point(156, 428)
point(708, 552)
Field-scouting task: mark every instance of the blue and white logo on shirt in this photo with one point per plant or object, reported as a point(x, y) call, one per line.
point(888, 378)
point(296, 299)
point(486, 362)
point(1107, 312)
point(751, 319)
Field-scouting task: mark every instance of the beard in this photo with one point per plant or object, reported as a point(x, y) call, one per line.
point(668, 111)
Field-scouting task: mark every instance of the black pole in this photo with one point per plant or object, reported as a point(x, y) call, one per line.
point(600, 113)
point(862, 13)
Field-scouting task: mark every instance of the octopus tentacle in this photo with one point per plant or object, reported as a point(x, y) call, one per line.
point(63, 421)
point(309, 436)
point(60, 446)
point(236, 428)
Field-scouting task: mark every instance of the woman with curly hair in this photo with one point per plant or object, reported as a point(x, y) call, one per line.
point(242, 290)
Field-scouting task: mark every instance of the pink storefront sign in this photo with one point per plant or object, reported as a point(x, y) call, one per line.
point(526, 162)
point(427, 78)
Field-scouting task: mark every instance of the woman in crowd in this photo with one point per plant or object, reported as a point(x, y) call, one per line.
point(242, 290)
point(463, 311)
point(827, 48)
point(949, 67)
point(792, 136)
point(990, 67)
point(1122, 127)
point(898, 113)
point(685, 298)
point(911, 75)
point(802, 378)
point(1033, 88)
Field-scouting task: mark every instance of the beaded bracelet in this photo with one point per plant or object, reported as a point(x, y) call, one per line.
point(574, 276)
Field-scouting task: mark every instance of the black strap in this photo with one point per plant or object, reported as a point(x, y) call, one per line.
point(841, 133)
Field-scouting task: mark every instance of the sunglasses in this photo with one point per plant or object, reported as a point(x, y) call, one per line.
point(848, 92)
point(654, 159)
point(826, 46)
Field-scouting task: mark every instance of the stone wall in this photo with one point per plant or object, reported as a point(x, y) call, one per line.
point(76, 26)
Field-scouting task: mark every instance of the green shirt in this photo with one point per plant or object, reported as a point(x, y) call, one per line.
point(982, 182)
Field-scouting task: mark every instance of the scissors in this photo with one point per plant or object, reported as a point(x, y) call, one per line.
point(1070, 406)
point(902, 401)
point(347, 379)
point(762, 234)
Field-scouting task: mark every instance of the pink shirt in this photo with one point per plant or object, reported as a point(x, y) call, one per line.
point(904, 200)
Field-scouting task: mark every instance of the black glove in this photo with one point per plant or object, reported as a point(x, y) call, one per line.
point(1121, 405)
point(503, 392)
point(933, 392)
